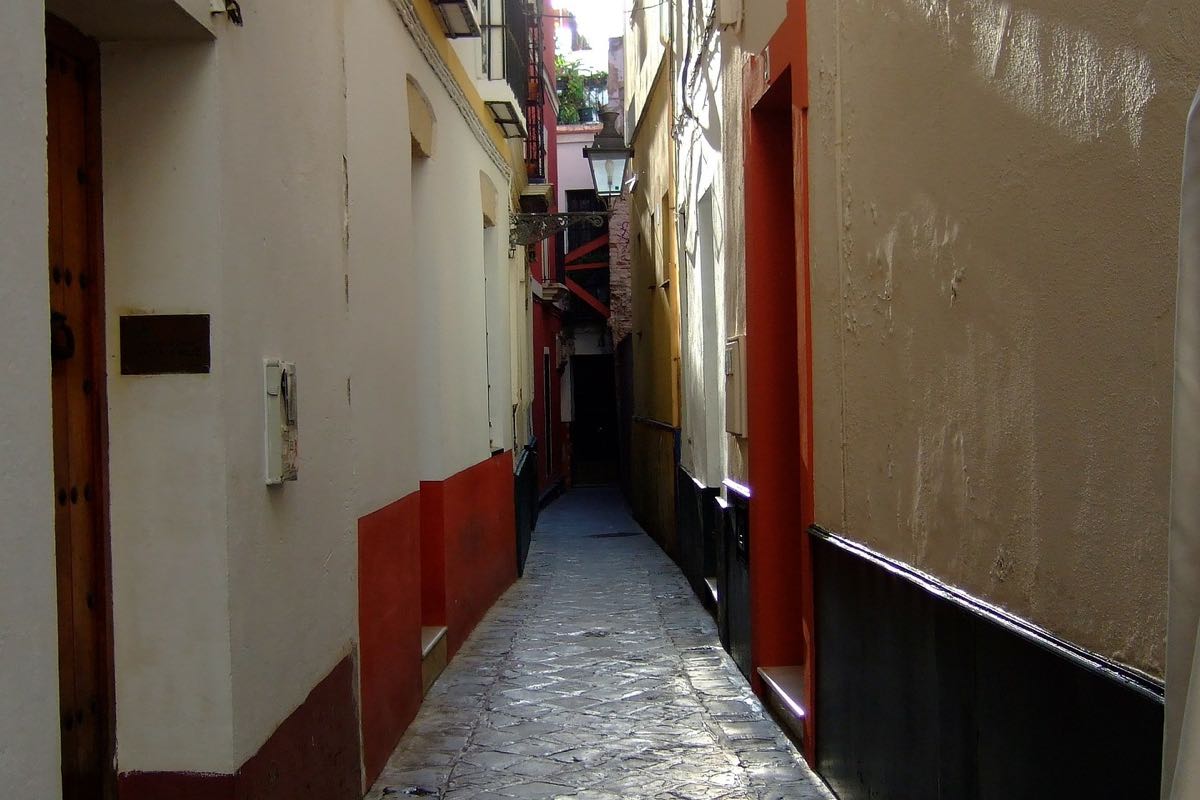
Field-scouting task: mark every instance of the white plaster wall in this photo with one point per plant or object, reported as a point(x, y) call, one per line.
point(496, 286)
point(138, 20)
point(232, 600)
point(520, 344)
point(449, 297)
point(292, 549)
point(733, 211)
point(453, 344)
point(163, 213)
point(994, 222)
point(228, 167)
point(29, 727)
point(384, 263)
point(412, 338)
point(703, 236)
point(590, 340)
point(573, 169)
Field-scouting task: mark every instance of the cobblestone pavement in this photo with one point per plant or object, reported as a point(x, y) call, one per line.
point(598, 676)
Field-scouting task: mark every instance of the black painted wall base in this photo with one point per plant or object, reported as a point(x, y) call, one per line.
point(525, 501)
point(696, 530)
point(734, 579)
point(924, 693)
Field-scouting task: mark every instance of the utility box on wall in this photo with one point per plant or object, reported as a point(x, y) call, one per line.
point(281, 405)
point(735, 386)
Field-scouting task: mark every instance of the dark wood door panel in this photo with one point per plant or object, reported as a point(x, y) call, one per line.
point(76, 308)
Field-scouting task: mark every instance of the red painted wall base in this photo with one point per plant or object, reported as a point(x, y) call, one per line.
point(478, 526)
point(440, 556)
point(314, 753)
point(443, 555)
point(389, 626)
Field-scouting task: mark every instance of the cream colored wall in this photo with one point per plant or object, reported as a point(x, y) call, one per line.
point(138, 20)
point(417, 256)
point(734, 211)
point(701, 231)
point(994, 207)
point(709, 152)
point(167, 459)
point(452, 345)
point(647, 35)
point(234, 599)
point(655, 315)
point(574, 171)
point(652, 222)
point(29, 724)
point(292, 549)
point(384, 266)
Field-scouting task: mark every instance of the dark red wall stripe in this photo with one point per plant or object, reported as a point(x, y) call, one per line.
point(314, 753)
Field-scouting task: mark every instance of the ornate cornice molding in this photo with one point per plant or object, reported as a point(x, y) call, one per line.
point(408, 15)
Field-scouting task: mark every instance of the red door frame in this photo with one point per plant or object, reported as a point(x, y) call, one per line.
point(779, 360)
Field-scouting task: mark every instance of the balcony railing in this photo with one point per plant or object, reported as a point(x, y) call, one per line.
point(535, 144)
point(506, 63)
point(506, 45)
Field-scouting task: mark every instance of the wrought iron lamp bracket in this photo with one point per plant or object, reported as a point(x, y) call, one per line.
point(527, 229)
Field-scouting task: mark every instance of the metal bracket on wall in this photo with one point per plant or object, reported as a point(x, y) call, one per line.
point(527, 229)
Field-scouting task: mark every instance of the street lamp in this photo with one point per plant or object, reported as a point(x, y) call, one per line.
point(609, 158)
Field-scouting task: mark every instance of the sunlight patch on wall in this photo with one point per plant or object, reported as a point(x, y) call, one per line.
point(1060, 75)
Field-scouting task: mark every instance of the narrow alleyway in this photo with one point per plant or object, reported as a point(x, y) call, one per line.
point(598, 676)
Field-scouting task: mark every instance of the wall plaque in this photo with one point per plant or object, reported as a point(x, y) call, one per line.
point(164, 344)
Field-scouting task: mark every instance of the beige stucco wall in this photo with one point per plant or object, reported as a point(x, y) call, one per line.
point(994, 209)
point(29, 724)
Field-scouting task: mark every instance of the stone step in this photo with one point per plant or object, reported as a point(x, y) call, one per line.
point(785, 697)
point(433, 654)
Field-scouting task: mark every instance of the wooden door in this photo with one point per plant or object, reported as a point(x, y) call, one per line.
point(76, 310)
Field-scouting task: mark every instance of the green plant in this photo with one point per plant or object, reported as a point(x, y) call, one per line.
point(578, 88)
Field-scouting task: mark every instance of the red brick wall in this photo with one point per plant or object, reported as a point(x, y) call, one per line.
point(619, 272)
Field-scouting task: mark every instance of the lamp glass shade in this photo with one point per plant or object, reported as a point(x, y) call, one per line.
point(608, 170)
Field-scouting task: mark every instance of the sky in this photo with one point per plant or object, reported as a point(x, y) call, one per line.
point(598, 20)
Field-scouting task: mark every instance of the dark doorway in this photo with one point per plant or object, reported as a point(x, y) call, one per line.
point(594, 431)
point(77, 397)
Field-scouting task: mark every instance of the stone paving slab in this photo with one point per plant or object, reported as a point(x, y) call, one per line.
point(598, 676)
